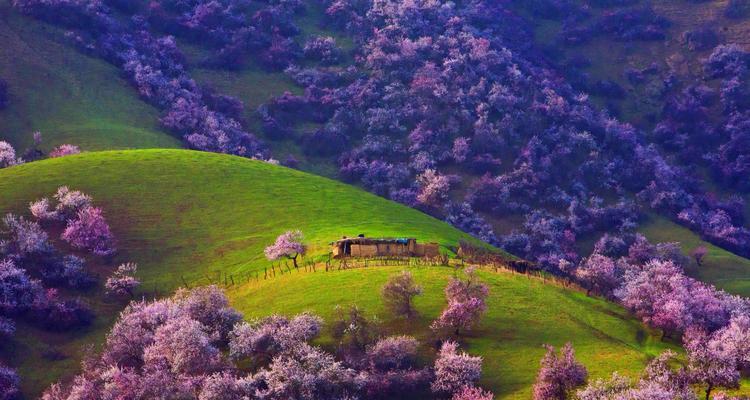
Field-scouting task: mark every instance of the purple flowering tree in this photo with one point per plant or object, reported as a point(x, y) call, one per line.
point(599, 274)
point(559, 374)
point(7, 155)
point(123, 282)
point(288, 245)
point(454, 370)
point(709, 364)
point(399, 292)
point(90, 231)
point(9, 384)
point(466, 304)
point(698, 254)
point(64, 150)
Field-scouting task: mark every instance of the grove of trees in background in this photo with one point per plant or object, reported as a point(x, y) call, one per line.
point(434, 87)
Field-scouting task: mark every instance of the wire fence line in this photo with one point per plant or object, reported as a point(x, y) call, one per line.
point(269, 272)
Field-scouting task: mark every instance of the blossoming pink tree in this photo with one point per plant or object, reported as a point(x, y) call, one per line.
point(599, 274)
point(473, 393)
point(64, 150)
point(454, 371)
point(559, 375)
point(90, 231)
point(7, 155)
point(466, 304)
point(123, 282)
point(709, 363)
point(399, 292)
point(288, 245)
point(698, 254)
point(460, 315)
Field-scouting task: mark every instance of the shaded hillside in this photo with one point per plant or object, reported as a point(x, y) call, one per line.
point(69, 97)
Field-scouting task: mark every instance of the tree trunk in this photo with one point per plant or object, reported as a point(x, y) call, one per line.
point(708, 390)
point(294, 260)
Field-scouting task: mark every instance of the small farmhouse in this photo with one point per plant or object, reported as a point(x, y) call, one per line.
point(362, 246)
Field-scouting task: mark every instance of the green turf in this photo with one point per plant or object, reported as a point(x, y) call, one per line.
point(69, 97)
point(523, 315)
point(181, 213)
point(185, 215)
point(720, 267)
point(188, 215)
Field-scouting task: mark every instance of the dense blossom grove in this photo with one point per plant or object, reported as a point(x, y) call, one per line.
point(34, 269)
point(156, 68)
point(447, 89)
point(176, 347)
point(435, 87)
point(650, 281)
point(659, 381)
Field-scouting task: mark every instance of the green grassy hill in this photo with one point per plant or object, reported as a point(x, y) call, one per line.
point(523, 314)
point(70, 97)
point(186, 215)
point(720, 267)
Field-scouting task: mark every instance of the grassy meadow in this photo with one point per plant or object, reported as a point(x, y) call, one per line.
point(69, 97)
point(720, 267)
point(185, 215)
point(524, 313)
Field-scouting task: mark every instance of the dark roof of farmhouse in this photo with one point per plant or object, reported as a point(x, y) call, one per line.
point(367, 240)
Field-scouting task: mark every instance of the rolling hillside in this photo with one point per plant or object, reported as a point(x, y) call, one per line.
point(70, 97)
point(185, 215)
point(523, 314)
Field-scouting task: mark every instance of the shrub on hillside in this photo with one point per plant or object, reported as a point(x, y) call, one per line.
point(639, 23)
point(89, 231)
point(122, 282)
point(9, 384)
point(559, 374)
point(7, 155)
point(700, 39)
point(64, 150)
point(454, 370)
point(399, 292)
point(323, 49)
